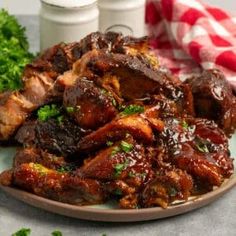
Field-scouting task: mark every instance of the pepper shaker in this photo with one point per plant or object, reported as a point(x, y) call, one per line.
point(66, 21)
point(125, 16)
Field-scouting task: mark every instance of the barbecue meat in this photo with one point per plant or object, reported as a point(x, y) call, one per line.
point(26, 133)
point(124, 168)
point(168, 186)
point(119, 126)
point(121, 160)
point(135, 125)
point(34, 155)
point(89, 105)
point(58, 186)
point(214, 99)
point(135, 77)
point(40, 77)
point(59, 138)
point(199, 147)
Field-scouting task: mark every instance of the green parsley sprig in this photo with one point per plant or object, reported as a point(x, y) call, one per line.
point(120, 167)
point(132, 109)
point(49, 111)
point(14, 54)
point(22, 232)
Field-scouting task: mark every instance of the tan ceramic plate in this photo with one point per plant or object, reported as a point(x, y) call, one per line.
point(109, 211)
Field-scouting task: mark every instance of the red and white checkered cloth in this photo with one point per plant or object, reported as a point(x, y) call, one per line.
point(189, 35)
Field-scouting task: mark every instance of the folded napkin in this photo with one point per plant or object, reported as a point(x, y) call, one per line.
point(189, 35)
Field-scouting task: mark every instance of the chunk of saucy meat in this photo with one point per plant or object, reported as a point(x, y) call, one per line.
point(40, 77)
point(130, 78)
point(214, 99)
point(58, 137)
point(124, 168)
point(89, 105)
point(199, 147)
point(168, 186)
point(60, 186)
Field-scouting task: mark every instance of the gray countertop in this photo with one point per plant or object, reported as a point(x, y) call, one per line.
point(218, 218)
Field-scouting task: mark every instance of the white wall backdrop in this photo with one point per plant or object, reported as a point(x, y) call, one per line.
point(32, 6)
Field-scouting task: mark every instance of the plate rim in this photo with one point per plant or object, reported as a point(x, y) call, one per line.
point(119, 215)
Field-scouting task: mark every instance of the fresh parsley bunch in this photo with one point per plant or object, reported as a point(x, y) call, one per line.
point(14, 54)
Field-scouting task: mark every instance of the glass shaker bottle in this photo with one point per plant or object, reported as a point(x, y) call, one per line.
point(66, 21)
point(125, 16)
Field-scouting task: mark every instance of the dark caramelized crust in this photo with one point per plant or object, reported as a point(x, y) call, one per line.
point(34, 155)
point(168, 186)
point(60, 138)
point(135, 125)
point(58, 186)
point(40, 77)
point(199, 147)
point(214, 99)
point(126, 129)
point(89, 105)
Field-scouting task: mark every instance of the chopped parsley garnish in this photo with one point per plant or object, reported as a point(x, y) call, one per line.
point(142, 174)
point(22, 232)
point(202, 147)
point(109, 143)
point(70, 109)
point(126, 147)
point(118, 192)
point(39, 168)
point(113, 101)
point(104, 91)
point(115, 151)
point(109, 94)
point(66, 168)
point(48, 111)
point(131, 174)
point(120, 167)
point(132, 109)
point(27, 232)
point(56, 233)
point(185, 125)
point(172, 192)
point(60, 119)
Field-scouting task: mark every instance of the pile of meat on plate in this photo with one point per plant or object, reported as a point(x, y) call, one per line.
point(101, 120)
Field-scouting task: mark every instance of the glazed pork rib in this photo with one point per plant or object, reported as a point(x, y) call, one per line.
point(128, 131)
point(40, 77)
point(214, 99)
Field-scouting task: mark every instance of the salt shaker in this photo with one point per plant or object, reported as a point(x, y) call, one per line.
point(125, 16)
point(66, 21)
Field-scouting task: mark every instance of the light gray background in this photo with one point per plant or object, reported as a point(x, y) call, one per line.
point(32, 6)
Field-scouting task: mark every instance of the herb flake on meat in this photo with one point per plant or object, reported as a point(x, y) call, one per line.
point(126, 147)
point(132, 109)
point(48, 111)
